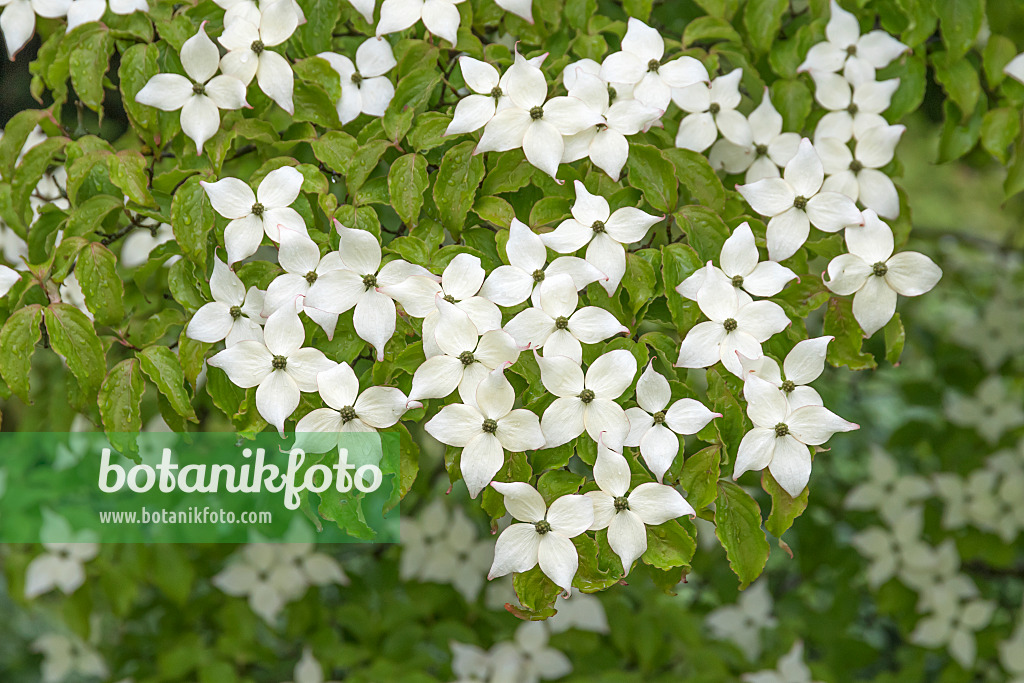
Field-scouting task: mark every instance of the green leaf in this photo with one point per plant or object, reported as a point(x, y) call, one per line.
point(785, 508)
point(535, 591)
point(191, 219)
point(335, 149)
point(999, 129)
point(793, 100)
point(318, 71)
point(709, 30)
point(641, 9)
point(16, 132)
point(88, 64)
point(959, 21)
point(314, 105)
point(74, 339)
point(164, 370)
point(959, 138)
point(316, 35)
point(678, 262)
point(18, 339)
point(960, 81)
point(494, 210)
point(639, 281)
point(554, 484)
point(738, 527)
point(104, 292)
point(705, 231)
point(456, 183)
point(846, 348)
point(669, 545)
point(895, 338)
point(138, 65)
point(763, 19)
point(407, 181)
point(699, 477)
point(33, 166)
point(87, 217)
point(651, 173)
point(128, 173)
point(696, 174)
point(999, 51)
point(120, 404)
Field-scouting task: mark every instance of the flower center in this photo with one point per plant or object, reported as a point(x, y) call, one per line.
point(198, 89)
point(730, 324)
point(538, 276)
point(714, 108)
point(279, 362)
point(348, 413)
point(621, 503)
point(537, 113)
point(880, 269)
point(611, 94)
point(357, 78)
point(236, 312)
point(496, 93)
point(856, 166)
point(781, 429)
point(258, 209)
point(852, 109)
point(586, 396)
point(761, 150)
point(659, 417)
point(737, 280)
point(561, 323)
point(851, 50)
point(467, 358)
point(653, 66)
point(369, 281)
point(311, 276)
point(490, 426)
point(449, 298)
point(257, 47)
point(788, 386)
point(542, 526)
point(598, 226)
point(800, 203)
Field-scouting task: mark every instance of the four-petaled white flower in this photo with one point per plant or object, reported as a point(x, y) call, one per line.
point(875, 276)
point(890, 491)
point(440, 17)
point(846, 50)
point(543, 534)
point(201, 95)
point(654, 429)
point(364, 87)
point(586, 402)
point(485, 428)
point(359, 283)
point(736, 325)
point(604, 233)
point(796, 201)
point(739, 263)
point(639, 64)
point(853, 110)
point(856, 174)
point(299, 256)
point(780, 437)
point(18, 20)
point(627, 514)
point(234, 315)
point(804, 364)
point(66, 657)
point(557, 327)
point(254, 214)
point(769, 150)
point(249, 55)
point(62, 562)
point(513, 284)
point(712, 110)
point(475, 111)
point(278, 367)
point(261, 575)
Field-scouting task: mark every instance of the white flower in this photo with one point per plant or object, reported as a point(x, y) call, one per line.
point(18, 20)
point(84, 11)
point(742, 622)
point(308, 669)
point(249, 55)
point(465, 359)
point(255, 214)
point(62, 562)
point(279, 367)
point(299, 256)
point(934, 574)
point(796, 201)
point(543, 535)
point(8, 277)
point(531, 122)
point(1011, 652)
point(364, 87)
point(712, 109)
point(856, 174)
point(364, 7)
point(490, 93)
point(521, 8)
point(200, 98)
point(627, 514)
point(557, 327)
point(853, 110)
point(513, 284)
point(952, 626)
point(440, 17)
point(994, 409)
point(605, 144)
point(736, 325)
point(654, 429)
point(780, 436)
point(803, 364)
point(893, 552)
point(739, 261)
point(251, 9)
point(639, 63)
point(875, 276)
point(604, 233)
point(67, 657)
point(527, 658)
point(790, 669)
point(582, 611)
point(848, 51)
point(887, 489)
point(1015, 68)
point(587, 402)
point(485, 428)
point(360, 283)
point(769, 150)
point(234, 315)
point(444, 548)
point(260, 573)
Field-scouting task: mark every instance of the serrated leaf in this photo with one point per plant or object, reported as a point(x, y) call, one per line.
point(164, 370)
point(785, 508)
point(191, 219)
point(18, 339)
point(74, 339)
point(407, 181)
point(738, 528)
point(651, 173)
point(120, 405)
point(456, 183)
point(699, 477)
point(96, 270)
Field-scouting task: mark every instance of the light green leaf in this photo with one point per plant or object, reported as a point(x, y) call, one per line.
point(738, 527)
point(164, 370)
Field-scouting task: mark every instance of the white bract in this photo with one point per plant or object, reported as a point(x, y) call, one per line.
point(888, 490)
point(490, 93)
point(440, 17)
point(780, 437)
point(627, 514)
point(743, 621)
point(736, 325)
point(201, 96)
point(253, 214)
point(62, 562)
point(739, 263)
point(485, 429)
point(364, 87)
point(789, 669)
point(769, 149)
point(299, 256)
point(853, 110)
point(639, 64)
point(586, 402)
point(543, 534)
point(846, 50)
point(308, 669)
point(521, 8)
point(265, 576)
point(796, 201)
point(856, 174)
point(8, 278)
point(84, 11)
point(248, 43)
point(234, 315)
point(604, 233)
point(804, 364)
point(513, 284)
point(712, 110)
point(359, 284)
point(875, 276)
point(67, 657)
point(527, 658)
point(654, 429)
point(952, 625)
point(445, 548)
point(365, 8)
point(1015, 68)
point(557, 327)
point(18, 20)
point(278, 367)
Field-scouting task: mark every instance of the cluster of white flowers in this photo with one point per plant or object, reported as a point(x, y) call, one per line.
point(994, 410)
point(18, 17)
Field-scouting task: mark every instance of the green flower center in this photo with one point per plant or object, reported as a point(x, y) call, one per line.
point(348, 413)
point(357, 78)
point(561, 323)
point(851, 50)
point(653, 66)
point(781, 429)
point(714, 108)
point(467, 358)
point(537, 113)
point(730, 324)
point(198, 89)
point(236, 312)
point(737, 280)
point(542, 526)
point(856, 166)
point(369, 281)
point(621, 503)
point(538, 276)
point(852, 109)
point(800, 203)
point(761, 150)
point(496, 93)
point(659, 417)
point(490, 426)
point(257, 47)
point(258, 210)
point(880, 269)
point(311, 276)
point(449, 298)
point(788, 386)
point(598, 226)
point(586, 396)
point(611, 94)
point(279, 362)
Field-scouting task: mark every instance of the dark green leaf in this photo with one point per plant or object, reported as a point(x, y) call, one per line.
point(738, 527)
